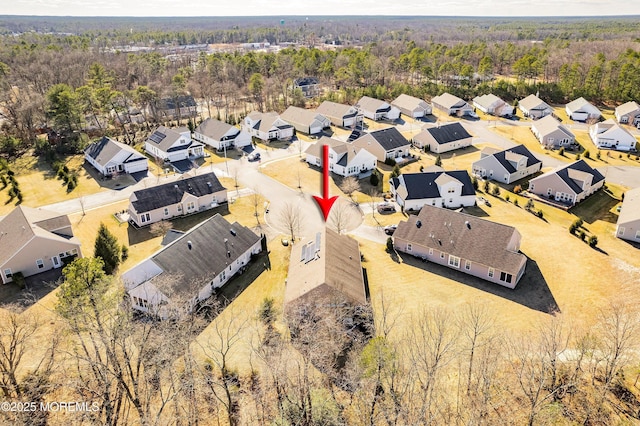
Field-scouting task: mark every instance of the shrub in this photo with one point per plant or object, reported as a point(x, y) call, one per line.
point(598, 155)
point(507, 198)
point(389, 244)
point(496, 190)
point(530, 205)
point(438, 161)
point(18, 279)
point(628, 155)
point(572, 229)
point(474, 182)
point(396, 171)
point(540, 214)
point(561, 151)
point(4, 181)
point(421, 168)
point(586, 154)
point(593, 241)
point(515, 202)
point(124, 253)
point(620, 156)
point(577, 156)
point(517, 189)
point(578, 223)
point(390, 162)
point(373, 180)
point(485, 186)
point(582, 235)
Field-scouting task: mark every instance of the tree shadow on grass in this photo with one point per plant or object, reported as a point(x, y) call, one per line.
point(532, 291)
point(598, 206)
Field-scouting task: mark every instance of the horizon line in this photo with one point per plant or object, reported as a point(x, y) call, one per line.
point(322, 16)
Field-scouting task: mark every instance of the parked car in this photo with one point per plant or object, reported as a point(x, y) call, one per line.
point(254, 156)
point(390, 229)
point(386, 208)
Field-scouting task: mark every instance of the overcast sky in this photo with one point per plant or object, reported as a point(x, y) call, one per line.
point(319, 7)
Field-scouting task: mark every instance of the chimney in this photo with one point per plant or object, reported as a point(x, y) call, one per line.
point(189, 245)
point(466, 222)
point(418, 224)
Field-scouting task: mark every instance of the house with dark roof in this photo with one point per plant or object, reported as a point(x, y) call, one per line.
point(345, 159)
point(173, 145)
point(551, 133)
point(341, 115)
point(628, 224)
point(110, 157)
point(474, 246)
point(439, 188)
point(376, 110)
point(610, 135)
point(310, 86)
point(187, 271)
point(267, 126)
point(220, 135)
point(451, 105)
point(628, 113)
point(185, 196)
point(305, 120)
point(506, 166)
point(326, 270)
point(183, 106)
point(582, 110)
point(411, 106)
point(534, 107)
point(443, 138)
point(493, 105)
point(384, 143)
point(34, 241)
point(568, 184)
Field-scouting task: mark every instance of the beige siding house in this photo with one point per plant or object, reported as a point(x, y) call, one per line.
point(305, 120)
point(375, 109)
point(340, 115)
point(628, 113)
point(551, 133)
point(411, 106)
point(568, 184)
point(628, 225)
point(34, 241)
point(179, 198)
point(384, 143)
point(506, 166)
point(443, 138)
point(267, 126)
point(534, 107)
point(582, 110)
point(474, 246)
point(451, 105)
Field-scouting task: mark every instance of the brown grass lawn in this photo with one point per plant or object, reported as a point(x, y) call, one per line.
point(563, 271)
point(40, 186)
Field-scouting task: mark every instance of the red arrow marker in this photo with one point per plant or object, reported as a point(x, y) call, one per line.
point(325, 202)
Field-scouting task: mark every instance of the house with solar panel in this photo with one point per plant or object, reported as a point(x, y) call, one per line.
point(179, 198)
point(568, 184)
point(111, 157)
point(443, 138)
point(174, 146)
point(439, 188)
point(187, 271)
point(506, 166)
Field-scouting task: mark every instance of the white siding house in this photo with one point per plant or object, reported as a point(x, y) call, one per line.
point(344, 158)
point(451, 189)
point(173, 145)
point(568, 184)
point(610, 135)
point(582, 110)
point(534, 107)
point(376, 109)
point(412, 106)
point(551, 133)
point(491, 104)
point(506, 166)
point(110, 157)
point(267, 126)
point(220, 135)
point(628, 113)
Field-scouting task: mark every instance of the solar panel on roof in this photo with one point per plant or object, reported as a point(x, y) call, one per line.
point(157, 137)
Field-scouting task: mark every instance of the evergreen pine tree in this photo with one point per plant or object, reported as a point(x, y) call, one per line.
point(107, 248)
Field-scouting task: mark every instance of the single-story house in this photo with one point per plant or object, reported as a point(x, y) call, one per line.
point(173, 145)
point(582, 110)
point(551, 133)
point(305, 120)
point(326, 270)
point(184, 106)
point(609, 134)
point(451, 105)
point(34, 241)
point(568, 184)
point(184, 196)
point(219, 135)
point(110, 157)
point(344, 158)
point(384, 143)
point(411, 106)
point(451, 189)
point(534, 107)
point(628, 225)
point(443, 138)
point(506, 166)
point(184, 273)
point(375, 109)
point(491, 104)
point(464, 242)
point(341, 115)
point(628, 113)
point(267, 126)
point(310, 86)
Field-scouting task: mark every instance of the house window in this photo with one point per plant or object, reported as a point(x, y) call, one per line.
point(179, 207)
point(166, 211)
point(505, 277)
point(467, 265)
point(40, 263)
point(7, 273)
point(409, 248)
point(549, 191)
point(637, 235)
point(430, 252)
point(621, 231)
point(532, 186)
point(491, 272)
point(454, 261)
point(451, 190)
point(145, 217)
point(223, 276)
point(441, 255)
point(191, 205)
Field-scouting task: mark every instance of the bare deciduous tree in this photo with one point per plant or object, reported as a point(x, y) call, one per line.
point(159, 229)
point(349, 185)
point(291, 218)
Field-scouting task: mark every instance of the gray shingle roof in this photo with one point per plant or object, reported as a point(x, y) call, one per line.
point(214, 129)
point(372, 104)
point(423, 185)
point(389, 138)
point(163, 138)
point(106, 148)
point(335, 112)
point(448, 100)
point(581, 166)
point(533, 102)
point(480, 241)
point(448, 133)
point(167, 194)
point(501, 156)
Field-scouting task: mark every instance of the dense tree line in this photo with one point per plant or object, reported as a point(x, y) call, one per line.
point(448, 367)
